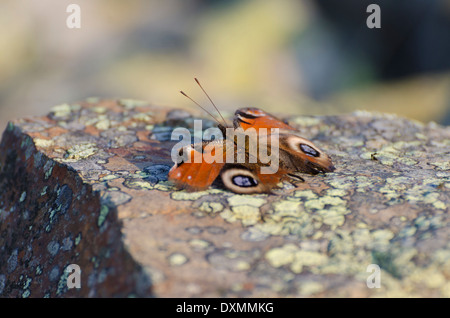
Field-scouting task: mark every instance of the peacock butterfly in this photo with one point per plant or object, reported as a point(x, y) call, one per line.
point(293, 154)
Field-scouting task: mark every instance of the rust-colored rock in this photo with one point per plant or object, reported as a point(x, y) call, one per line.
point(87, 185)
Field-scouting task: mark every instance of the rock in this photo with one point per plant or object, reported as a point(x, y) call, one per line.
point(87, 185)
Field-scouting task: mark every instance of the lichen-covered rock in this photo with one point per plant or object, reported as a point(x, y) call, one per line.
point(87, 185)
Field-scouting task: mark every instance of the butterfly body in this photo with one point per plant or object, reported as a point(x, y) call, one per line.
point(294, 154)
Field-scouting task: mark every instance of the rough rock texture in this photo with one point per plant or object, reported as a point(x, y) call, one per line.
point(87, 185)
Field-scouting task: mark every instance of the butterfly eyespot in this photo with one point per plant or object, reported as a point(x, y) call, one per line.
point(308, 150)
point(244, 181)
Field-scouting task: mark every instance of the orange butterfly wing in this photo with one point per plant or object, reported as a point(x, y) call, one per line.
point(257, 118)
point(195, 176)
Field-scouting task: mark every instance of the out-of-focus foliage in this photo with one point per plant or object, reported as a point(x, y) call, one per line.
point(293, 56)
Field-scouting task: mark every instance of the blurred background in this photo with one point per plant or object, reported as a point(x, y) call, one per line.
point(293, 56)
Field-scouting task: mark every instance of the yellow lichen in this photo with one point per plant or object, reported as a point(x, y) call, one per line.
point(43, 143)
point(246, 200)
point(211, 207)
point(192, 196)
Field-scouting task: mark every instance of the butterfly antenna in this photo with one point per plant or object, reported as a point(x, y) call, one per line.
point(184, 94)
point(224, 121)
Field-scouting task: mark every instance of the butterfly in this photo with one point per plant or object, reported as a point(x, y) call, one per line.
point(294, 154)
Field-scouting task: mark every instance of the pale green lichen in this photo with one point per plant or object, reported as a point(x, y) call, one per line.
point(445, 165)
point(104, 210)
point(145, 117)
point(305, 194)
point(249, 200)
point(297, 259)
point(132, 103)
point(193, 196)
point(43, 143)
point(48, 169)
point(78, 239)
point(242, 265)
point(108, 177)
point(103, 124)
point(211, 207)
point(332, 218)
point(81, 151)
point(244, 208)
point(26, 142)
point(326, 201)
point(61, 110)
point(10, 126)
point(287, 207)
point(62, 283)
point(27, 283)
point(247, 214)
point(199, 244)
point(177, 259)
point(164, 186)
point(310, 288)
point(140, 184)
point(381, 239)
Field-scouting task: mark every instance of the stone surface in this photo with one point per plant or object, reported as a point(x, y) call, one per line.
point(87, 185)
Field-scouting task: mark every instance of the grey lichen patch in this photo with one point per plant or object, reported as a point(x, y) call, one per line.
point(12, 262)
point(53, 248)
point(67, 244)
point(38, 159)
point(115, 198)
point(157, 173)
